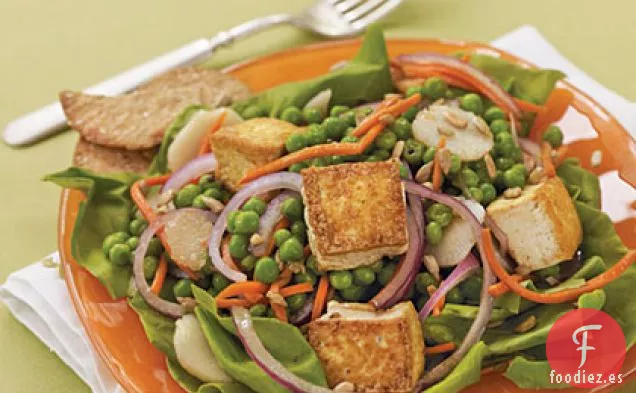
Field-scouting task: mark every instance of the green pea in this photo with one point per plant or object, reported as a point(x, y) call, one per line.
point(341, 279)
point(404, 172)
point(413, 151)
point(352, 293)
point(137, 226)
point(494, 113)
point(520, 168)
point(420, 302)
point(436, 211)
point(334, 128)
point(339, 110)
point(365, 111)
point(455, 296)
point(554, 136)
point(214, 193)
point(499, 125)
point(295, 302)
point(155, 248)
point(292, 115)
point(349, 118)
point(595, 299)
point(292, 208)
point(312, 115)
point(386, 140)
point(295, 142)
point(428, 155)
point(456, 164)
point(319, 162)
point(422, 282)
point(315, 135)
point(350, 139)
point(401, 128)
point(471, 287)
point(112, 239)
point(472, 102)
point(183, 288)
point(469, 177)
point(270, 313)
point(412, 90)
point(506, 147)
point(219, 281)
point(549, 271)
point(299, 230)
point(119, 254)
point(308, 276)
point(504, 163)
point(373, 158)
point(150, 267)
point(246, 222)
point(199, 202)
point(335, 160)
point(186, 195)
point(266, 270)
point(291, 250)
point(207, 181)
point(256, 205)
point(248, 263)
point(513, 178)
point(133, 242)
point(433, 232)
point(363, 276)
point(312, 265)
point(281, 235)
point(489, 193)
point(476, 194)
point(258, 310)
point(438, 333)
point(297, 167)
point(382, 154)
point(386, 273)
point(254, 111)
point(435, 87)
point(377, 266)
point(411, 113)
point(239, 246)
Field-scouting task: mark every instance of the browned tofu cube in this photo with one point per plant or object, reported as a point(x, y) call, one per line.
point(355, 213)
point(376, 351)
point(247, 145)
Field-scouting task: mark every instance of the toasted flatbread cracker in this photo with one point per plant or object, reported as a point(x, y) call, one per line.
point(136, 121)
point(102, 159)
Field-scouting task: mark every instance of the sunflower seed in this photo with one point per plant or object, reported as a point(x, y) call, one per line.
point(397, 150)
point(188, 303)
point(445, 160)
point(344, 387)
point(256, 239)
point(455, 121)
point(481, 125)
point(526, 325)
point(536, 176)
point(445, 130)
point(490, 166)
point(431, 265)
point(424, 173)
point(214, 205)
point(276, 298)
point(512, 193)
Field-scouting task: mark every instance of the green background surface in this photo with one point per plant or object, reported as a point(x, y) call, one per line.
point(47, 46)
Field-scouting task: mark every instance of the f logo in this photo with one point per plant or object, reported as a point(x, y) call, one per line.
point(584, 347)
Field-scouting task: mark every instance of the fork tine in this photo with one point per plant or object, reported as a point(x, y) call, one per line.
point(377, 14)
point(362, 10)
point(346, 5)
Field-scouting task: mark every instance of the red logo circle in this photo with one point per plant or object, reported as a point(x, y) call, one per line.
point(585, 348)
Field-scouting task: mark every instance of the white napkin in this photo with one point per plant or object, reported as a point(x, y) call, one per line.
point(38, 297)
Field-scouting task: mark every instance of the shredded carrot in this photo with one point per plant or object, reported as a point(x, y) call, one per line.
point(253, 297)
point(227, 303)
point(559, 155)
point(437, 168)
point(441, 348)
point(240, 288)
point(555, 107)
point(528, 106)
point(395, 109)
point(160, 276)
point(546, 160)
point(282, 223)
point(437, 309)
point(283, 279)
point(226, 256)
point(566, 295)
point(296, 289)
point(321, 297)
point(501, 288)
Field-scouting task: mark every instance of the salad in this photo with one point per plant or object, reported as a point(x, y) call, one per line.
point(398, 224)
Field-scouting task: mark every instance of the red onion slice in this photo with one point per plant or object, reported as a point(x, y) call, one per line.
point(275, 181)
point(192, 170)
point(459, 274)
point(259, 354)
point(165, 307)
point(530, 147)
point(494, 90)
point(268, 221)
point(500, 235)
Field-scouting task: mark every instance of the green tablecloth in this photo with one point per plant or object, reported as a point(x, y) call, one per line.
point(51, 45)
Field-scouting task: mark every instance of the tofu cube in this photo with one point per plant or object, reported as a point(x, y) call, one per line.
point(355, 213)
point(249, 144)
point(542, 225)
point(376, 351)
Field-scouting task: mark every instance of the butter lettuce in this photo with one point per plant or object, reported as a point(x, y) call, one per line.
point(158, 328)
point(585, 182)
point(466, 373)
point(105, 210)
point(531, 374)
point(193, 385)
point(365, 78)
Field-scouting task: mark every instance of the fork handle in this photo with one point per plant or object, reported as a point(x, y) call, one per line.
point(227, 37)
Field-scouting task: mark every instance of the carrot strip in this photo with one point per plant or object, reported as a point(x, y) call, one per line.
point(399, 107)
point(566, 295)
point(160, 276)
point(437, 168)
point(441, 348)
point(226, 256)
point(546, 159)
point(557, 104)
point(282, 223)
point(321, 297)
point(528, 106)
point(296, 289)
point(240, 288)
point(559, 155)
point(227, 303)
point(501, 288)
point(279, 310)
point(253, 297)
point(437, 309)
point(370, 136)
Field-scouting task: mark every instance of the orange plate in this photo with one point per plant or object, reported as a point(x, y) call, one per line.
point(114, 328)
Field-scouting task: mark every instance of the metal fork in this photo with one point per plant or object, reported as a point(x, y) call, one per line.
point(328, 18)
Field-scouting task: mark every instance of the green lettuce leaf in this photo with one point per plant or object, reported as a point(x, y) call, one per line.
point(284, 341)
point(365, 78)
point(531, 374)
point(194, 385)
point(466, 373)
point(159, 328)
point(159, 163)
point(534, 85)
point(599, 236)
point(105, 210)
point(585, 182)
